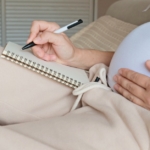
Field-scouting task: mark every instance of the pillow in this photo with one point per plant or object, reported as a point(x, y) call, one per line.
point(105, 34)
point(132, 53)
point(133, 11)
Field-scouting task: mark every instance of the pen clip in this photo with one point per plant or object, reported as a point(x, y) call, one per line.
point(75, 24)
point(97, 79)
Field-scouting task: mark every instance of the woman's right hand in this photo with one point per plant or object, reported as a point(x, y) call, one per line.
point(51, 46)
point(58, 47)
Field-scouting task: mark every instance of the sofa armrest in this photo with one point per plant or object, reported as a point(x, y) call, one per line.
point(130, 11)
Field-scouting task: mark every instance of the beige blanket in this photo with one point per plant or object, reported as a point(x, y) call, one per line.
point(106, 121)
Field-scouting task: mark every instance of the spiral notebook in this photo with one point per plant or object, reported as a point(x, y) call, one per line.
point(69, 76)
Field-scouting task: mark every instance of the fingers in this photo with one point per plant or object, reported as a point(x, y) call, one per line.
point(135, 77)
point(148, 64)
point(130, 97)
point(49, 37)
point(41, 52)
point(133, 86)
point(40, 26)
point(134, 89)
point(37, 51)
point(46, 48)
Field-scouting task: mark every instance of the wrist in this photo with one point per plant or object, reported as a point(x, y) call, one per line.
point(82, 59)
point(75, 61)
point(85, 58)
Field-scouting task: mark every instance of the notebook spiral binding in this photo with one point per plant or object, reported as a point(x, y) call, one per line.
point(40, 69)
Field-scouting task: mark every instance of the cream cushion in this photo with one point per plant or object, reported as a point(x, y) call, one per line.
point(133, 11)
point(105, 34)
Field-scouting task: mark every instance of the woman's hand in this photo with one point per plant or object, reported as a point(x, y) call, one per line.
point(134, 86)
point(57, 47)
point(51, 46)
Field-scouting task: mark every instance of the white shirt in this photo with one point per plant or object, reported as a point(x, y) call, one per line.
point(132, 53)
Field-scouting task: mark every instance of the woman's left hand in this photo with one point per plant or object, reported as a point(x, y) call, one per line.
point(134, 86)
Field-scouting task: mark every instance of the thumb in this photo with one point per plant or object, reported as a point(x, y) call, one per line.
point(47, 37)
point(148, 64)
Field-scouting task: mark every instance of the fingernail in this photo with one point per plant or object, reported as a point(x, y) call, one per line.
point(116, 87)
point(37, 39)
point(148, 64)
point(120, 71)
point(39, 53)
point(28, 41)
point(115, 78)
point(46, 58)
point(53, 58)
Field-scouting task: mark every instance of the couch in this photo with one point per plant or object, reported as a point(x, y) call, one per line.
point(107, 32)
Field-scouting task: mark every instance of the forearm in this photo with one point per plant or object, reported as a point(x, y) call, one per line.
point(87, 58)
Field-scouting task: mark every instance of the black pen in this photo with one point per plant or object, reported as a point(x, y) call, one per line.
point(65, 28)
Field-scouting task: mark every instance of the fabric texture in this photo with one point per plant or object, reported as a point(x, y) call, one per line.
point(107, 121)
point(34, 111)
point(28, 96)
point(104, 34)
point(132, 11)
point(100, 81)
